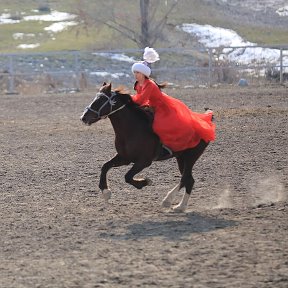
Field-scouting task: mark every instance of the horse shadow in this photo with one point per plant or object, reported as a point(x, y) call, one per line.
point(172, 230)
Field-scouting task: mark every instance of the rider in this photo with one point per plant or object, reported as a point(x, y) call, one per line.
point(177, 126)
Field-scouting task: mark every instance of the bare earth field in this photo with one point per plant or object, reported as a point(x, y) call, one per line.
point(55, 231)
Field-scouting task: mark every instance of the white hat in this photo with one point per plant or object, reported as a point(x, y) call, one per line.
point(149, 56)
point(142, 68)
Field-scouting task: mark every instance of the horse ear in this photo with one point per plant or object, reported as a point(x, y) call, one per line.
point(106, 88)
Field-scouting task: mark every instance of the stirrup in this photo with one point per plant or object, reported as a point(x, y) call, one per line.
point(165, 153)
point(167, 149)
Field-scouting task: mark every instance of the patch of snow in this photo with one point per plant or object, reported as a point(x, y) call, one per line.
point(253, 55)
point(5, 18)
point(211, 36)
point(101, 74)
point(28, 46)
point(119, 74)
point(54, 16)
point(219, 38)
point(60, 26)
point(106, 74)
point(255, 5)
point(118, 57)
point(283, 11)
point(17, 36)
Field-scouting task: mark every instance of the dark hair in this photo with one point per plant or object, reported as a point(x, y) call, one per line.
point(160, 85)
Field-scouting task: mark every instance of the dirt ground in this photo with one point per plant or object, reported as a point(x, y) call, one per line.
point(55, 231)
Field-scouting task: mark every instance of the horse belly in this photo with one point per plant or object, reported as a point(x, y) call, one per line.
point(140, 146)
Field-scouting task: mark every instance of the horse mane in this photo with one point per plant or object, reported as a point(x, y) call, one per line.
point(125, 96)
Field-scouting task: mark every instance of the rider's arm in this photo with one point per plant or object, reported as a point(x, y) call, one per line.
point(143, 97)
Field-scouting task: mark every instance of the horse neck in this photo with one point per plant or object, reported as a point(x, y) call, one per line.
point(120, 120)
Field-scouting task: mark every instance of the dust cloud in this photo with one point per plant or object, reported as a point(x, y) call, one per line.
point(224, 200)
point(268, 190)
point(262, 190)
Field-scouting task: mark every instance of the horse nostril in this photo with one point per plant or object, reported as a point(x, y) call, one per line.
point(83, 119)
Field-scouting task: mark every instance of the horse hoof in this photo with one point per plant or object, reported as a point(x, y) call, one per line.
point(179, 208)
point(166, 204)
point(106, 193)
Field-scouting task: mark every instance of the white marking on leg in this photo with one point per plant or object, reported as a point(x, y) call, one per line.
point(167, 201)
point(183, 204)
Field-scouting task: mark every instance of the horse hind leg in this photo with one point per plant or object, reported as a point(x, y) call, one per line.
point(188, 182)
point(189, 157)
point(167, 201)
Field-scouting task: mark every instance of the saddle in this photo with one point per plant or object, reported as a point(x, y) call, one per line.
point(148, 113)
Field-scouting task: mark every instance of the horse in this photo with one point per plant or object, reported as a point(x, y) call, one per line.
point(136, 143)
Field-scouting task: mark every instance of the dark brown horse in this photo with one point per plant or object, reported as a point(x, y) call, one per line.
point(136, 143)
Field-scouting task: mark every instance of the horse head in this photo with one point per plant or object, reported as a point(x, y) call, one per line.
point(103, 105)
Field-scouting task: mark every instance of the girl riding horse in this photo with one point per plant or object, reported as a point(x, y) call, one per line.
point(177, 126)
point(186, 133)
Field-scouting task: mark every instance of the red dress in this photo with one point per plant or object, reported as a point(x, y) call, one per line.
point(176, 125)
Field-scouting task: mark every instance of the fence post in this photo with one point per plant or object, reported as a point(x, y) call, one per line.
point(281, 66)
point(76, 59)
point(11, 80)
point(210, 67)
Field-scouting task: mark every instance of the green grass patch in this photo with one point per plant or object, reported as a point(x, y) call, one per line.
point(70, 40)
point(187, 11)
point(28, 5)
point(9, 44)
point(263, 35)
point(21, 9)
point(85, 40)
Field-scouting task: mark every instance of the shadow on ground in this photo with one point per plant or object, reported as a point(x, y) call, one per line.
point(170, 230)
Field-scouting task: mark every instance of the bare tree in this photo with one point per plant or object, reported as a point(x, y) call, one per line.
point(143, 24)
point(144, 12)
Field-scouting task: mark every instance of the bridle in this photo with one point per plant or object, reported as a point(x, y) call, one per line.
point(110, 100)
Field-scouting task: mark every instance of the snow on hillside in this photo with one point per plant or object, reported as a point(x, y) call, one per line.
point(60, 26)
point(117, 56)
point(283, 11)
point(216, 37)
point(54, 16)
point(258, 5)
point(5, 18)
point(62, 21)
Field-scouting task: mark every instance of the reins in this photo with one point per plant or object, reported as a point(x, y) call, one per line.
point(109, 100)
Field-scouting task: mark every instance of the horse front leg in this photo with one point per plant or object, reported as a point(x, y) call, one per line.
point(136, 168)
point(116, 161)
